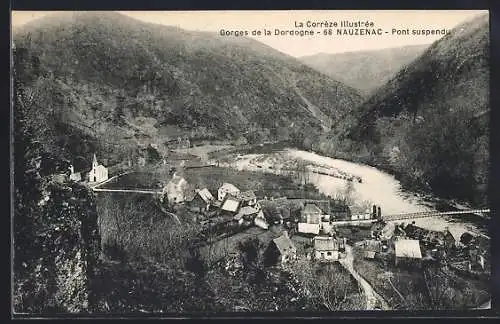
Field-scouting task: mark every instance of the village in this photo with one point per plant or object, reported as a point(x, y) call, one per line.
point(312, 230)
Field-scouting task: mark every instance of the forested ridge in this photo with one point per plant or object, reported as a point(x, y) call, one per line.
point(430, 123)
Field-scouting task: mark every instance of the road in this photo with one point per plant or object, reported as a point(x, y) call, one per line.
point(95, 185)
point(372, 298)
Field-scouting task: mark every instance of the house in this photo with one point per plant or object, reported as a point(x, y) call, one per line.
point(376, 228)
point(281, 250)
point(307, 228)
point(452, 238)
point(326, 227)
point(98, 173)
point(141, 161)
point(247, 213)
point(175, 190)
point(340, 213)
point(225, 189)
point(231, 204)
point(407, 251)
point(326, 248)
point(75, 176)
point(260, 221)
point(311, 213)
point(359, 213)
point(370, 255)
point(247, 198)
point(201, 201)
point(387, 232)
point(372, 245)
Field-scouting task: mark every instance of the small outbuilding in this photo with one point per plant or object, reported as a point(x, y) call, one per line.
point(407, 251)
point(281, 250)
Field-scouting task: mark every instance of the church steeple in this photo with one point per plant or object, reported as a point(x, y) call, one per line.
point(94, 162)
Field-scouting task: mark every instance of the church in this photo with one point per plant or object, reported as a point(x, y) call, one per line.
point(98, 173)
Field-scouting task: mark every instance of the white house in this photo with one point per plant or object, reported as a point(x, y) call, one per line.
point(75, 176)
point(225, 189)
point(261, 221)
point(176, 189)
point(231, 204)
point(308, 228)
point(98, 173)
point(326, 248)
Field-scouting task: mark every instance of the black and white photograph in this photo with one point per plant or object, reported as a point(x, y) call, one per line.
point(239, 162)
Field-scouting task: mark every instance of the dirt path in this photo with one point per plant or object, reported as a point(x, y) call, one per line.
point(373, 300)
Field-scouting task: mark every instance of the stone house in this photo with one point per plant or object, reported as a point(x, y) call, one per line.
point(311, 214)
point(201, 201)
point(326, 248)
point(281, 250)
point(176, 189)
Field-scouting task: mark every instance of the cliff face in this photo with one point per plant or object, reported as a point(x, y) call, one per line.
point(57, 271)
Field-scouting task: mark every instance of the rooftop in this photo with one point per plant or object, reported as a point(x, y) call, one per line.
point(408, 249)
point(284, 244)
point(230, 204)
point(229, 187)
point(457, 234)
point(247, 195)
point(311, 208)
point(206, 195)
point(325, 243)
point(244, 211)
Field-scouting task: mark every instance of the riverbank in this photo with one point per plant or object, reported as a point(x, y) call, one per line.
point(408, 185)
point(377, 187)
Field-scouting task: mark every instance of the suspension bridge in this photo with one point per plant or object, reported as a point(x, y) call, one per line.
point(478, 212)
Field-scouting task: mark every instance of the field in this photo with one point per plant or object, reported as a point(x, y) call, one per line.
point(229, 245)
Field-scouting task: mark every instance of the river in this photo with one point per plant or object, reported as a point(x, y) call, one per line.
point(377, 187)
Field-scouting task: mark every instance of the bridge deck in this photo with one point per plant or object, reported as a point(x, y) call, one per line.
point(433, 214)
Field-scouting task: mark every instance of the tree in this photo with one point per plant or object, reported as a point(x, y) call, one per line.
point(252, 257)
point(27, 153)
point(328, 287)
point(119, 110)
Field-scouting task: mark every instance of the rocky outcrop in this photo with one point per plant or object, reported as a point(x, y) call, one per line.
point(59, 269)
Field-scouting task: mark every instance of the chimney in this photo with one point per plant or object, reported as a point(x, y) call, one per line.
point(285, 233)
